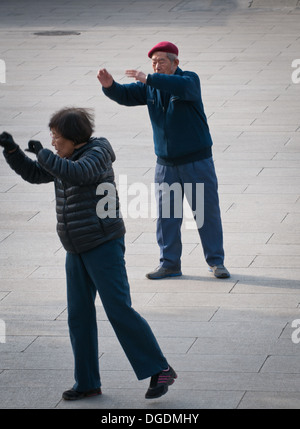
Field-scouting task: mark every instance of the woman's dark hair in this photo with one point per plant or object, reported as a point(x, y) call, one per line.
point(73, 123)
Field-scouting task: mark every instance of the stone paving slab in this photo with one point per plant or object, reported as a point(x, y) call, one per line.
point(230, 341)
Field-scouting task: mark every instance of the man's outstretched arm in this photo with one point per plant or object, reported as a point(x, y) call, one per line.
point(133, 94)
point(186, 86)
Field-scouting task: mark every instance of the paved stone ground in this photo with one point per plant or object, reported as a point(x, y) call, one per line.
point(230, 341)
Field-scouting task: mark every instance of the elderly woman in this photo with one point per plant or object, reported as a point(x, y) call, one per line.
point(95, 250)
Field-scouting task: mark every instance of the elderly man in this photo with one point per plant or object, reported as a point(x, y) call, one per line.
point(183, 146)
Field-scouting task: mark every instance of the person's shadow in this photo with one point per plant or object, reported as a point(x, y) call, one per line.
point(247, 279)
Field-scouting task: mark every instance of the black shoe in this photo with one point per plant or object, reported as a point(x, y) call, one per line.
point(74, 395)
point(159, 383)
point(161, 273)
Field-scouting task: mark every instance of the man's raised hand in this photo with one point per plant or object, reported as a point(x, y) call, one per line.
point(137, 75)
point(105, 78)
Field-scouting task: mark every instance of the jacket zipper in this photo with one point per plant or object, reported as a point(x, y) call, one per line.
point(165, 130)
point(64, 216)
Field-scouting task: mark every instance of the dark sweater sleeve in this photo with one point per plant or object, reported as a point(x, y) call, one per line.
point(186, 86)
point(133, 94)
point(29, 170)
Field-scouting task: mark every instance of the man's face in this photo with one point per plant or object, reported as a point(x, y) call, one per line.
point(162, 64)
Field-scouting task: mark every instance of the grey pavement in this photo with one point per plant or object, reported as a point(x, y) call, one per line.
point(234, 343)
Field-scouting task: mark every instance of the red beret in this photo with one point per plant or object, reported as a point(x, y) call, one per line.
point(164, 47)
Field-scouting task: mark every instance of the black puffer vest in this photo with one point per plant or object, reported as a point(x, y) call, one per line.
point(76, 181)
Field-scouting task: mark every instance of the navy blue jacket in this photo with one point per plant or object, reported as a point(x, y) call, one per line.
point(180, 130)
point(76, 180)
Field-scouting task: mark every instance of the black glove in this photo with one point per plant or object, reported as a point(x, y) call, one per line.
point(7, 142)
point(34, 146)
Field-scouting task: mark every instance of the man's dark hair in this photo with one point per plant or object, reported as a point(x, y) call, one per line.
point(73, 123)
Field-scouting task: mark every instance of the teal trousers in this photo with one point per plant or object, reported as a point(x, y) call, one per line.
point(103, 270)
